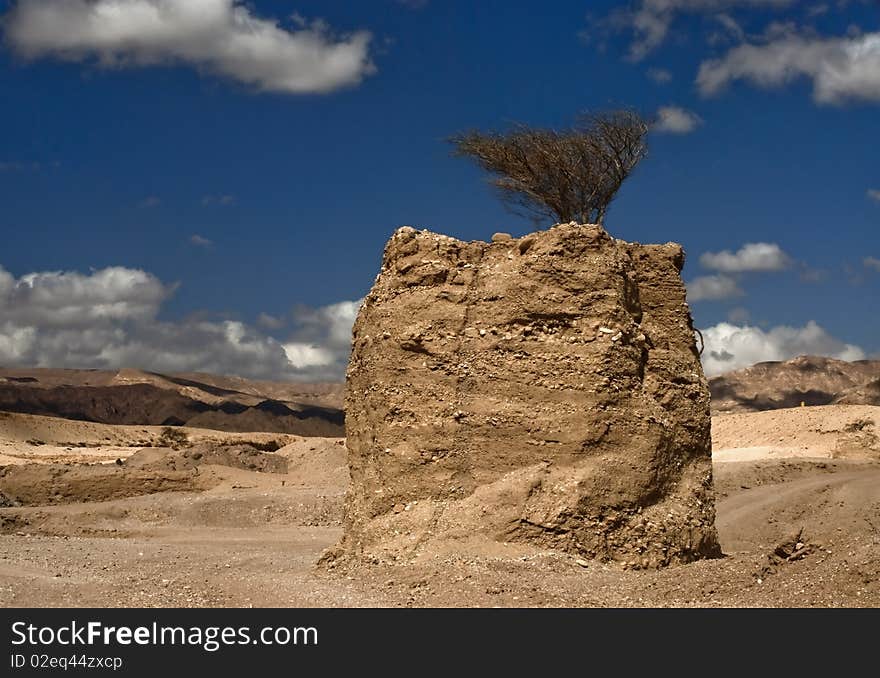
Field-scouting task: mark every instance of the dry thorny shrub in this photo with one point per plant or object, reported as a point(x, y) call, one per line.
point(571, 174)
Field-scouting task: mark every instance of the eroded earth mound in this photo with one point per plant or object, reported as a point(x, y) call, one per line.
point(542, 392)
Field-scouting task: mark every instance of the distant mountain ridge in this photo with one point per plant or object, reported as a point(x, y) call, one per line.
point(130, 396)
point(811, 380)
point(147, 398)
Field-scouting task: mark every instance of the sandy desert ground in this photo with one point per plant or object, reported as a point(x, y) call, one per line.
point(206, 518)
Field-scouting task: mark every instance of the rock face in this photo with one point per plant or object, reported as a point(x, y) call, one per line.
point(540, 392)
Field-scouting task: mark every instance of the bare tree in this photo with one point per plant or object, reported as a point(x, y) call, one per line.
point(571, 174)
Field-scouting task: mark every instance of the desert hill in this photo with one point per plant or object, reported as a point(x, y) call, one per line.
point(811, 380)
point(145, 398)
point(229, 403)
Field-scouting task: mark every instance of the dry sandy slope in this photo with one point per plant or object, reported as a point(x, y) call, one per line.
point(253, 539)
point(26, 438)
point(830, 431)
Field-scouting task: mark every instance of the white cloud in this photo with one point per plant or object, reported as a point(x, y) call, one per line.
point(64, 299)
point(731, 347)
point(328, 325)
point(731, 25)
point(200, 241)
point(322, 340)
point(304, 356)
point(218, 200)
point(270, 322)
point(738, 315)
point(659, 75)
point(223, 37)
point(872, 262)
point(808, 274)
point(651, 20)
point(15, 166)
point(750, 258)
point(7, 283)
point(109, 319)
point(842, 69)
point(676, 120)
point(874, 194)
point(150, 201)
point(758, 256)
point(712, 288)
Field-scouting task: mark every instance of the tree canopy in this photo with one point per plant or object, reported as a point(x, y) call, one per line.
point(571, 174)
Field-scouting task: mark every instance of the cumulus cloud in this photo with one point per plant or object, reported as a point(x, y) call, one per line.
point(675, 120)
point(651, 20)
point(223, 37)
point(808, 274)
point(200, 241)
point(323, 336)
point(713, 288)
point(758, 256)
point(738, 315)
point(659, 75)
point(872, 263)
point(149, 202)
point(731, 26)
point(842, 68)
point(750, 258)
point(731, 347)
point(70, 299)
point(874, 194)
point(109, 319)
point(308, 356)
point(270, 322)
point(218, 200)
point(15, 166)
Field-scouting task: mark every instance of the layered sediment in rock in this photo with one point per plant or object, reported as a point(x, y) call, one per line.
point(541, 392)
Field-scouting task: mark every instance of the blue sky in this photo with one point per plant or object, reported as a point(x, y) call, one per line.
point(242, 192)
